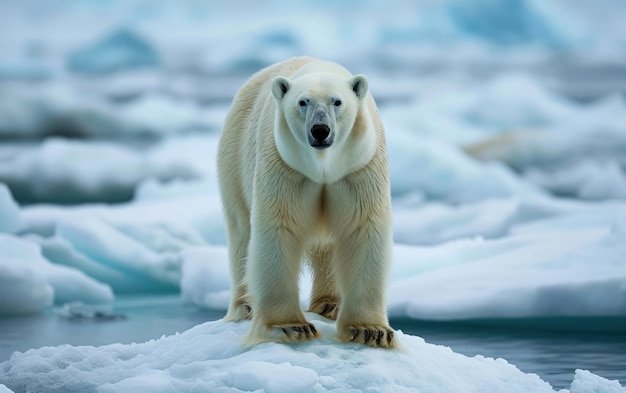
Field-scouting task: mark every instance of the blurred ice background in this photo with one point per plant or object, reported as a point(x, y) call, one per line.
point(506, 124)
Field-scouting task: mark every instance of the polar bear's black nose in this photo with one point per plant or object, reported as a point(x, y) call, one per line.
point(320, 132)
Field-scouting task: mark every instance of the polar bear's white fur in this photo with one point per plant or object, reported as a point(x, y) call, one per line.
point(303, 175)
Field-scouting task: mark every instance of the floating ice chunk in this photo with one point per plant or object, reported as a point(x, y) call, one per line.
point(79, 310)
point(531, 274)
point(24, 286)
point(152, 190)
point(61, 252)
point(9, 211)
point(120, 50)
point(467, 113)
point(555, 151)
point(135, 247)
point(57, 110)
point(104, 243)
point(4, 389)
point(514, 101)
point(435, 223)
point(540, 130)
point(72, 284)
point(210, 357)
point(107, 172)
point(188, 216)
point(30, 282)
point(588, 180)
point(441, 171)
point(159, 114)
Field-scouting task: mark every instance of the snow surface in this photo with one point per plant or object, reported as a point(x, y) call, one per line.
point(211, 357)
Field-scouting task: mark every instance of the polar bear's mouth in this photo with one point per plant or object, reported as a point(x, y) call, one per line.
point(320, 146)
point(320, 137)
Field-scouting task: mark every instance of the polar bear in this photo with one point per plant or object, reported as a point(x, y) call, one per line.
point(303, 176)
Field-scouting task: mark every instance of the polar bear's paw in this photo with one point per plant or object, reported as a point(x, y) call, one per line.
point(379, 336)
point(293, 333)
point(282, 333)
point(326, 307)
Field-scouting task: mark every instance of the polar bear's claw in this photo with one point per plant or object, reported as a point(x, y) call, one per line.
point(327, 309)
point(293, 333)
point(374, 336)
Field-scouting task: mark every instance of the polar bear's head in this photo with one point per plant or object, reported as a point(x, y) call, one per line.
point(320, 108)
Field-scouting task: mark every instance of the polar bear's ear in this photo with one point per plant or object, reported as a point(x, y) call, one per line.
point(280, 87)
point(358, 83)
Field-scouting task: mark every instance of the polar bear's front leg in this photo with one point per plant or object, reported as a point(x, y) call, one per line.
point(273, 273)
point(361, 268)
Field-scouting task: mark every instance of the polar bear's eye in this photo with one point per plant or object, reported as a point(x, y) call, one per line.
point(337, 102)
point(302, 103)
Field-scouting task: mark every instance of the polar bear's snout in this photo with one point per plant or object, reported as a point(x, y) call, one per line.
point(320, 136)
point(321, 122)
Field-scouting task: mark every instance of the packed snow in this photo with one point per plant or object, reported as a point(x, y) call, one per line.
point(506, 139)
point(211, 357)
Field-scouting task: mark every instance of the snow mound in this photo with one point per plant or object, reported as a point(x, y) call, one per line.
point(210, 357)
point(587, 382)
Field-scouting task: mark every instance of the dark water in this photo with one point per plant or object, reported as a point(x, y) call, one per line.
point(146, 318)
point(552, 355)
